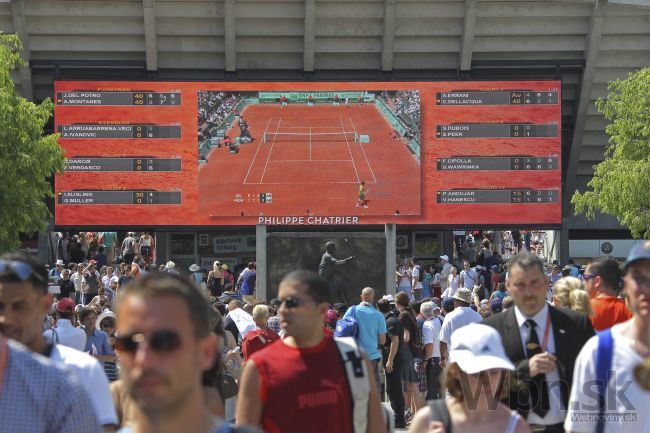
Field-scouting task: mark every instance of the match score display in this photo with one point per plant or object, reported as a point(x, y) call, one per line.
point(308, 153)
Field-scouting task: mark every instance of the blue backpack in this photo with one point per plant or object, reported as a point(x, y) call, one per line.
point(348, 326)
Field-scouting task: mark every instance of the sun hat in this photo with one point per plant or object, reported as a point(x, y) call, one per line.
point(59, 263)
point(194, 268)
point(101, 317)
point(389, 298)
point(463, 294)
point(477, 347)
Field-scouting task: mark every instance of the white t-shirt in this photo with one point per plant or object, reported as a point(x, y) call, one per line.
point(452, 285)
point(416, 276)
point(431, 335)
point(93, 378)
point(461, 316)
point(77, 279)
point(629, 409)
point(470, 278)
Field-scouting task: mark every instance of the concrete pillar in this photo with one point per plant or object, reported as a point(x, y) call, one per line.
point(150, 41)
point(260, 260)
point(310, 36)
point(563, 241)
point(388, 37)
point(230, 15)
point(390, 231)
point(20, 27)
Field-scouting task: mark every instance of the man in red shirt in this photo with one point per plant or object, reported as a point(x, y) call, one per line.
point(602, 278)
point(261, 336)
point(299, 384)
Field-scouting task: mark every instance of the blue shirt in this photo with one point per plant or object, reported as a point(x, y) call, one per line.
point(40, 396)
point(98, 339)
point(371, 324)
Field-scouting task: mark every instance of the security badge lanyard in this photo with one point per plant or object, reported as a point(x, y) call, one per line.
point(547, 329)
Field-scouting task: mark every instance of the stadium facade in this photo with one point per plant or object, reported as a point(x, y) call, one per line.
point(582, 43)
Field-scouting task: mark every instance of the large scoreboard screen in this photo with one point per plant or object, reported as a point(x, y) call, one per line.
point(213, 153)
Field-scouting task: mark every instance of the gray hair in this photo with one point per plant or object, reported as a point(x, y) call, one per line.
point(426, 309)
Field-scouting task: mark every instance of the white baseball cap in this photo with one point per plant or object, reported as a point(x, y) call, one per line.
point(477, 348)
point(445, 258)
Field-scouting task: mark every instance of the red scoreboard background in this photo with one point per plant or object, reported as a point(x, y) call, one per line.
point(211, 153)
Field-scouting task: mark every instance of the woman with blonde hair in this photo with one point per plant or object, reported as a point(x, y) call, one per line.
point(569, 292)
point(215, 280)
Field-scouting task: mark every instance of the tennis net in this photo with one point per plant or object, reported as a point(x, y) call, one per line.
point(311, 137)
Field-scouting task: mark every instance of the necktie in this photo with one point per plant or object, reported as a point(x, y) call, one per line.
point(538, 387)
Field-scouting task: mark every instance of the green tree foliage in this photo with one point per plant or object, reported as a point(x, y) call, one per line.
point(621, 183)
point(27, 158)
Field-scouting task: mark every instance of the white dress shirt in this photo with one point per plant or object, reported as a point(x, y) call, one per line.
point(67, 335)
point(557, 412)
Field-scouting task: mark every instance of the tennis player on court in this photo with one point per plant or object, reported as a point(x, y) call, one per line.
point(362, 195)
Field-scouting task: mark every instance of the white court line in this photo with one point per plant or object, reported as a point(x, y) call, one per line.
point(363, 151)
point(258, 149)
point(319, 182)
point(310, 144)
point(348, 145)
point(311, 160)
point(270, 151)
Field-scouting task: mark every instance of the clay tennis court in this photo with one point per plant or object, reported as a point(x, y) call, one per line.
point(310, 159)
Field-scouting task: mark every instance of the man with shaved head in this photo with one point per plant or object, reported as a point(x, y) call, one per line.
point(372, 327)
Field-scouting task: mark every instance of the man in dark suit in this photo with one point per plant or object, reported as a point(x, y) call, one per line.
point(543, 342)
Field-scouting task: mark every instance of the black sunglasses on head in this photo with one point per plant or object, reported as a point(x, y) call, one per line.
point(22, 270)
point(291, 302)
point(160, 341)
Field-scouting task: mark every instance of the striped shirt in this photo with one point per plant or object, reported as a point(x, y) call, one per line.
point(38, 396)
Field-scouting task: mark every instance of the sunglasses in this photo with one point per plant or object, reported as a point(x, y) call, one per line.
point(291, 302)
point(107, 324)
point(163, 341)
point(588, 276)
point(22, 270)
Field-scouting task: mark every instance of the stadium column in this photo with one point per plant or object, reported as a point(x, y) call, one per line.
point(260, 261)
point(18, 17)
point(467, 38)
point(310, 38)
point(229, 18)
point(388, 39)
point(390, 231)
point(150, 43)
point(584, 102)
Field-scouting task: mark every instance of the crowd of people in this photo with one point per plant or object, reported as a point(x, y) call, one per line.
point(165, 352)
point(407, 102)
point(214, 108)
